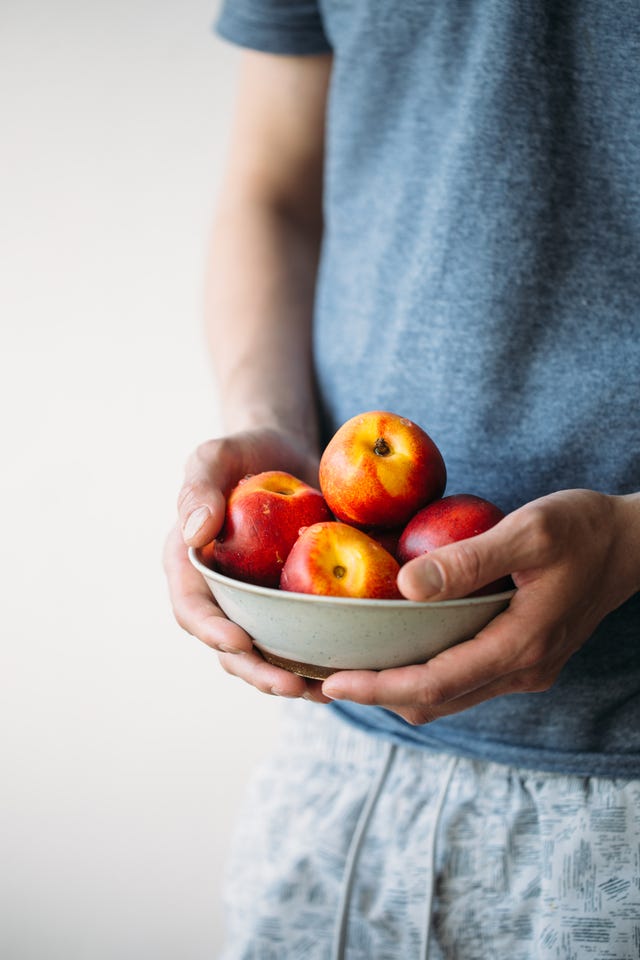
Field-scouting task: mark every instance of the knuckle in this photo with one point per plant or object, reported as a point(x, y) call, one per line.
point(540, 683)
point(220, 450)
point(534, 654)
point(192, 492)
point(203, 465)
point(182, 623)
point(532, 681)
point(466, 565)
point(424, 709)
point(518, 683)
point(416, 716)
point(226, 662)
point(436, 693)
point(540, 531)
point(200, 458)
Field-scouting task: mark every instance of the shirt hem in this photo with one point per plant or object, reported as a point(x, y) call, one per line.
point(270, 37)
point(613, 766)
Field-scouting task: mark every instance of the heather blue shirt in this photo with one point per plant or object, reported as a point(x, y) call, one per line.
point(481, 274)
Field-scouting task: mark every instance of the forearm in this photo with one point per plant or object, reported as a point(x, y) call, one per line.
point(259, 305)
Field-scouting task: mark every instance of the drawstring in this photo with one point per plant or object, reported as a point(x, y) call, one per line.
point(431, 854)
point(340, 936)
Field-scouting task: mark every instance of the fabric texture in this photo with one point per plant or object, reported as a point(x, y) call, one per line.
point(480, 274)
point(511, 864)
point(275, 26)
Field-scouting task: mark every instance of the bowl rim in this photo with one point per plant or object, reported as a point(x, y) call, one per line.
point(284, 595)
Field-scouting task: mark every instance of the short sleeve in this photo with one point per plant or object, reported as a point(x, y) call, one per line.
point(273, 26)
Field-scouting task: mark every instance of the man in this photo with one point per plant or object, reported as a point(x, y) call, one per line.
point(435, 209)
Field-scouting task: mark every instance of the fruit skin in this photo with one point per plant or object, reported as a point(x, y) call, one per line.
point(379, 469)
point(448, 520)
point(386, 538)
point(264, 515)
point(335, 559)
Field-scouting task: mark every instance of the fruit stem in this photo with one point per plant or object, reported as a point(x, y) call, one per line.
point(381, 447)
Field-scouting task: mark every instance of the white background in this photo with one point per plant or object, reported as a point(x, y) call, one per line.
point(123, 746)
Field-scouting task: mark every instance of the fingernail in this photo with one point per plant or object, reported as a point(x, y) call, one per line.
point(195, 521)
point(430, 579)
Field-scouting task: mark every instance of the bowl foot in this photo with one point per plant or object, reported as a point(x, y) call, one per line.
point(309, 670)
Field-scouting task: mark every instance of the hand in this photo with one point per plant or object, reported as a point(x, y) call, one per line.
point(211, 472)
point(574, 556)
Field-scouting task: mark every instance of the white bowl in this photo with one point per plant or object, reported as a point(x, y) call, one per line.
point(315, 636)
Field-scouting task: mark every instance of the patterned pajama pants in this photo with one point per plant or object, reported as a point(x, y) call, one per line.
point(350, 848)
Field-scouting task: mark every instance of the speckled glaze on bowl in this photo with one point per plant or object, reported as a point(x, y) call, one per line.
point(315, 636)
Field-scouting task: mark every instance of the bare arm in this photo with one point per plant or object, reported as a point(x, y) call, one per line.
point(265, 246)
point(260, 291)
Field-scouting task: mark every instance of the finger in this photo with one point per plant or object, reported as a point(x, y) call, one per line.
point(523, 540)
point(521, 681)
point(426, 706)
point(197, 613)
point(201, 501)
point(268, 678)
point(193, 605)
point(508, 644)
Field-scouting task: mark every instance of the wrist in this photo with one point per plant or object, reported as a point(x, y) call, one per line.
point(275, 402)
point(298, 426)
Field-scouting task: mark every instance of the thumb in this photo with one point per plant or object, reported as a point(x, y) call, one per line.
point(201, 507)
point(461, 568)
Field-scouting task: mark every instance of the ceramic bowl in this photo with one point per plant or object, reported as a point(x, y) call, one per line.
point(315, 636)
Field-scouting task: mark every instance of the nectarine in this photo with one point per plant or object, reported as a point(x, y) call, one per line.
point(335, 559)
point(448, 520)
point(264, 514)
point(379, 469)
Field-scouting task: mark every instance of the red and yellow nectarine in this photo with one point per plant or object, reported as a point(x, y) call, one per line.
point(379, 469)
point(335, 559)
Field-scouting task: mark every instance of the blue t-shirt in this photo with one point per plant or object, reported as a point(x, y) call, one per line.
point(480, 274)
